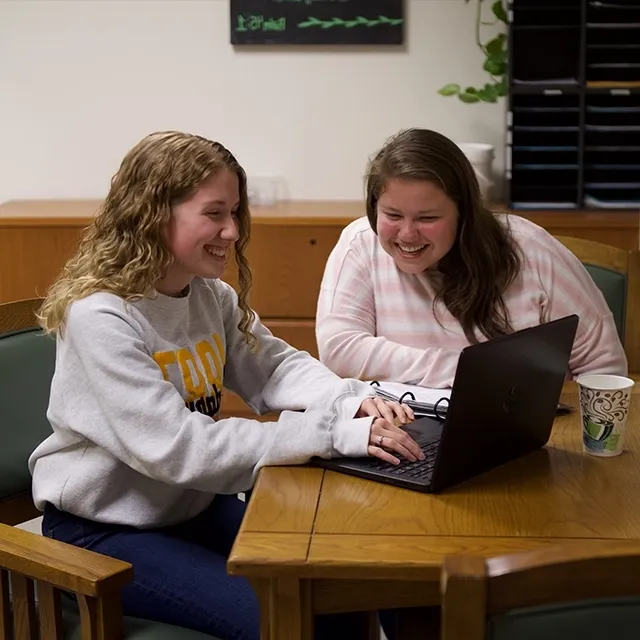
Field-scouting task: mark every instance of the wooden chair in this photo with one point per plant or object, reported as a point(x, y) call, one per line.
point(558, 593)
point(35, 570)
point(616, 272)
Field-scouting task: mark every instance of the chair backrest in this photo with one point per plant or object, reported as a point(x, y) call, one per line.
point(585, 590)
point(616, 273)
point(27, 359)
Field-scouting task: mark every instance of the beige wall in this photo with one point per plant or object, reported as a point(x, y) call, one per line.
point(82, 80)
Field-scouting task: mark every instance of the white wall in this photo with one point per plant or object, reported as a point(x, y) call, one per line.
point(82, 80)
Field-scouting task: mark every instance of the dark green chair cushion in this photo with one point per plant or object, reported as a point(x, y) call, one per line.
point(614, 289)
point(134, 628)
point(602, 619)
point(27, 360)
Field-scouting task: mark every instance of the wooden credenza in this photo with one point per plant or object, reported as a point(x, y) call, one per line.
point(290, 243)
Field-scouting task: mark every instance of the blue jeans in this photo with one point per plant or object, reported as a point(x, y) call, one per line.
point(180, 574)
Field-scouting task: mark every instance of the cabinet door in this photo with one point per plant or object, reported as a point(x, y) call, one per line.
point(31, 256)
point(300, 334)
point(287, 264)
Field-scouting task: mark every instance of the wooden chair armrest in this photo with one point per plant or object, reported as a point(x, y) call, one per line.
point(61, 565)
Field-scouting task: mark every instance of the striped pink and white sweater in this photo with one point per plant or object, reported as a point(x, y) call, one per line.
point(376, 322)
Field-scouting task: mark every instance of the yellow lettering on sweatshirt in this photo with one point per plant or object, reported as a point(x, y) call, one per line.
point(210, 362)
point(164, 359)
point(200, 372)
point(194, 382)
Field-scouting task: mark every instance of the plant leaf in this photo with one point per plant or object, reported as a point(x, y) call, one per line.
point(469, 97)
point(451, 89)
point(489, 93)
point(498, 11)
point(496, 63)
point(501, 87)
point(495, 67)
point(495, 48)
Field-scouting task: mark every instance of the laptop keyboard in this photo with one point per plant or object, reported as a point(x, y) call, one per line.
point(419, 470)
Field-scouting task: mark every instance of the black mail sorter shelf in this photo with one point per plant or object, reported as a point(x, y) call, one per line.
point(574, 104)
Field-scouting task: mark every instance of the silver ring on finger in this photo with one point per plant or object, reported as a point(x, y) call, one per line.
point(380, 439)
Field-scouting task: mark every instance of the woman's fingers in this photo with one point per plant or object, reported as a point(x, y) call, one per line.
point(403, 439)
point(382, 454)
point(402, 444)
point(404, 412)
point(409, 412)
point(386, 409)
point(393, 412)
point(386, 436)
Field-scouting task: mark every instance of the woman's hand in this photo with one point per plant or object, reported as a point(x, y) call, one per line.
point(385, 439)
point(392, 412)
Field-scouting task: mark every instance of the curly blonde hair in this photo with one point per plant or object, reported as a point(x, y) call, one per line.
point(123, 250)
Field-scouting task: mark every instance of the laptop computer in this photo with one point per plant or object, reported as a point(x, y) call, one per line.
point(502, 406)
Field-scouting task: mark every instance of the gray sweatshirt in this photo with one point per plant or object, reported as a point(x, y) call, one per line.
point(134, 399)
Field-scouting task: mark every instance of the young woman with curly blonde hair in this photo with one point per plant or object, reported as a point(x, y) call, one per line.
point(138, 466)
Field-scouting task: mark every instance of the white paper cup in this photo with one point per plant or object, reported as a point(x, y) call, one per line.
point(481, 157)
point(604, 407)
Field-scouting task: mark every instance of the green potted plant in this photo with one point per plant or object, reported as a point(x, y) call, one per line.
point(495, 64)
point(481, 155)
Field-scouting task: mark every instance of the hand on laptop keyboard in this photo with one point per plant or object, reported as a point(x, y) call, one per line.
point(386, 439)
point(396, 412)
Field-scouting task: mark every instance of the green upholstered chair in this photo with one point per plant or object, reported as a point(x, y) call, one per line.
point(580, 591)
point(616, 272)
point(34, 570)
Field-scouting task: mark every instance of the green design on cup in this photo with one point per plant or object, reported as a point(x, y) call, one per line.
point(597, 434)
point(612, 442)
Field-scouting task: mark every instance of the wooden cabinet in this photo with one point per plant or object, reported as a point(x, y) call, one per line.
point(287, 261)
point(31, 256)
point(289, 246)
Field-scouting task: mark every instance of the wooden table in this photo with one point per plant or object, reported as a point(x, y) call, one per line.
point(315, 541)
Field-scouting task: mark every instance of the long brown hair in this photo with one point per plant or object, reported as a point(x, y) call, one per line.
point(123, 250)
point(484, 259)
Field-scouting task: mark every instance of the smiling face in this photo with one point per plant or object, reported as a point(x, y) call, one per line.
point(201, 232)
point(416, 224)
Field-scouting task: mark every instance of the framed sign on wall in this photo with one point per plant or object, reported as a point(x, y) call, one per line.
point(317, 22)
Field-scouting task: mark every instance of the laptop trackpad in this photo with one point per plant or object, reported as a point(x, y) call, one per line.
point(424, 430)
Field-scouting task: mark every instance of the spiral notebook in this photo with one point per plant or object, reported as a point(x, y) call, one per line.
point(426, 401)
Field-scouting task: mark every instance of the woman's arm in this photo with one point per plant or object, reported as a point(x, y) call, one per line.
point(127, 408)
point(570, 289)
point(278, 377)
